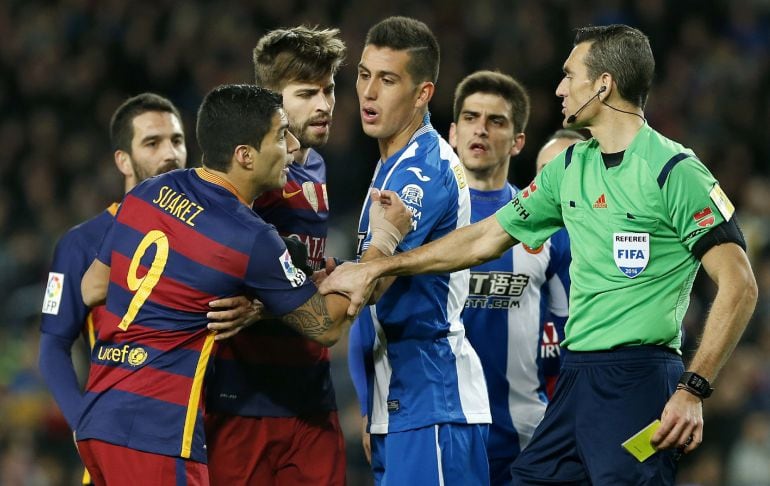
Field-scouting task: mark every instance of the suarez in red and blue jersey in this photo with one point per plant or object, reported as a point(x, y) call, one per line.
point(181, 240)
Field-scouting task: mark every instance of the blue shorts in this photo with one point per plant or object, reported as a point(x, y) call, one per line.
point(444, 454)
point(602, 399)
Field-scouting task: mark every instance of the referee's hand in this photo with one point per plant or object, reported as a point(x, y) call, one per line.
point(352, 280)
point(681, 423)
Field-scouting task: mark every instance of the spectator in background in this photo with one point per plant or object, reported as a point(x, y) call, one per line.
point(748, 464)
point(556, 144)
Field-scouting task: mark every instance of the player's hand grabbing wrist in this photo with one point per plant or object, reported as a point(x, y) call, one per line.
point(386, 213)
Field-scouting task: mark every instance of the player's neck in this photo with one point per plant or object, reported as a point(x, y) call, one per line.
point(130, 182)
point(492, 179)
point(241, 187)
point(616, 131)
point(397, 141)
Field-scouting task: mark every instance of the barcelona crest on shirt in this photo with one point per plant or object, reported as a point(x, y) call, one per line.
point(631, 252)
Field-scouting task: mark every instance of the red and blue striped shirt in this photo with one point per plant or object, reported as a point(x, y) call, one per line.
point(269, 370)
point(180, 240)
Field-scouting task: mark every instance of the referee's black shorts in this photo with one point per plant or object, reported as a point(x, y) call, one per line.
point(602, 399)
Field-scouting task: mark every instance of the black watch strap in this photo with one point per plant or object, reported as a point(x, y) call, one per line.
point(695, 384)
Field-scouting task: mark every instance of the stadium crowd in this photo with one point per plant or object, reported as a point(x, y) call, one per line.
point(65, 66)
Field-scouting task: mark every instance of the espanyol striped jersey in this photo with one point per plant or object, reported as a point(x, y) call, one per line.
point(180, 240)
point(507, 320)
point(270, 370)
point(425, 371)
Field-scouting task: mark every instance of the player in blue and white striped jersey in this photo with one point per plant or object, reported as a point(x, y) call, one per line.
point(517, 305)
point(426, 394)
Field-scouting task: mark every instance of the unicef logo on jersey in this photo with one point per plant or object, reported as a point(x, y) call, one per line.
point(631, 252)
point(122, 354)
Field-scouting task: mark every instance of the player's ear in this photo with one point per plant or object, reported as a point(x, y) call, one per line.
point(453, 135)
point(243, 155)
point(518, 143)
point(424, 93)
point(123, 163)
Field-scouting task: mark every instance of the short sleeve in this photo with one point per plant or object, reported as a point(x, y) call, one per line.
point(535, 213)
point(694, 201)
point(273, 277)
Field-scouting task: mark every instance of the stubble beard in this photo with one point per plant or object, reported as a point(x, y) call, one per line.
point(305, 138)
point(141, 174)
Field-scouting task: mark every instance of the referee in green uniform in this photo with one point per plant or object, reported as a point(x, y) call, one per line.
point(643, 214)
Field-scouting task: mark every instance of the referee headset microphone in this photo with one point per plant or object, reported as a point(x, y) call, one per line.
point(571, 119)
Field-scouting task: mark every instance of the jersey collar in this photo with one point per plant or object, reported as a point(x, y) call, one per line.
point(213, 178)
point(424, 128)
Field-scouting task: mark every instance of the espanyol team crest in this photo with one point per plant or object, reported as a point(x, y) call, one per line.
point(631, 252)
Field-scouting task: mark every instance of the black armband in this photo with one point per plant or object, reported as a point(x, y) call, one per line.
point(725, 232)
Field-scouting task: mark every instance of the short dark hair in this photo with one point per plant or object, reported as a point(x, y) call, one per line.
point(296, 54)
point(122, 122)
point(232, 115)
point(567, 133)
point(496, 83)
point(413, 36)
point(625, 53)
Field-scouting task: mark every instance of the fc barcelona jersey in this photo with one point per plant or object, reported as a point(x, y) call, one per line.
point(180, 240)
point(270, 370)
point(64, 315)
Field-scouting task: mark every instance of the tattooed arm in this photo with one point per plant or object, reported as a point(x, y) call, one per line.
point(321, 318)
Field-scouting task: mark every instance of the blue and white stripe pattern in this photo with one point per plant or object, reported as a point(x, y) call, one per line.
point(426, 371)
point(514, 316)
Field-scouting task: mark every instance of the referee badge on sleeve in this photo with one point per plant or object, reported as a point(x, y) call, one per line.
point(631, 252)
point(722, 202)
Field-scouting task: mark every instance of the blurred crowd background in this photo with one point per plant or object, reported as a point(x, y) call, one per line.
point(66, 65)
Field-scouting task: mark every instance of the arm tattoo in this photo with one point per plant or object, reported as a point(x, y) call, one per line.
point(311, 319)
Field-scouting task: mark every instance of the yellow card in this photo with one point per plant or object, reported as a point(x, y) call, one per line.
point(639, 444)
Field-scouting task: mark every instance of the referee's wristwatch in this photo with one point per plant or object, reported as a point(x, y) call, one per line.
point(695, 384)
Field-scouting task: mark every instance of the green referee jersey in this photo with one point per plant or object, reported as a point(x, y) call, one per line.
point(632, 228)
